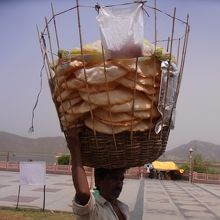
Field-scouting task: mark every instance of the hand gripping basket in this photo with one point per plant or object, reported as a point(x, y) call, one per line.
point(123, 106)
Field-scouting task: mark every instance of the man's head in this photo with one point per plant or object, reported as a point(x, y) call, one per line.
point(109, 182)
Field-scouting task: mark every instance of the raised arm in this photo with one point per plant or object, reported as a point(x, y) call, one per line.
point(78, 173)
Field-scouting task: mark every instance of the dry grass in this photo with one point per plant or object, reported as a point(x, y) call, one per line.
point(29, 214)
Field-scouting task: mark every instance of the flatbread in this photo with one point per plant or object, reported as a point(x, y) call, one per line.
point(147, 114)
point(89, 58)
point(113, 97)
point(99, 88)
point(68, 67)
point(104, 128)
point(66, 94)
point(127, 64)
point(97, 75)
point(57, 90)
point(112, 129)
point(141, 103)
point(58, 80)
point(123, 123)
point(66, 105)
point(106, 115)
point(146, 66)
point(149, 67)
point(144, 80)
point(81, 108)
point(143, 126)
point(131, 84)
point(154, 97)
point(73, 83)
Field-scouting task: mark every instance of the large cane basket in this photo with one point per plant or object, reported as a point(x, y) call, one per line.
point(127, 148)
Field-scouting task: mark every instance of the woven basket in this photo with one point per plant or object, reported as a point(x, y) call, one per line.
point(125, 149)
point(101, 151)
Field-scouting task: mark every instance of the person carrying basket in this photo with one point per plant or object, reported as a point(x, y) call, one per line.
point(109, 182)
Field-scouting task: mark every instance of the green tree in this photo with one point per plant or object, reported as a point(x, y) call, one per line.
point(185, 167)
point(63, 160)
point(199, 164)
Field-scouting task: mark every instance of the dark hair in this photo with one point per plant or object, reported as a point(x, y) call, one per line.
point(101, 173)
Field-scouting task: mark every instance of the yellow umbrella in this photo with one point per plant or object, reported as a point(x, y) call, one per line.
point(165, 165)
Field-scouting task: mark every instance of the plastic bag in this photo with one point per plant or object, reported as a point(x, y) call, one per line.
point(168, 89)
point(122, 31)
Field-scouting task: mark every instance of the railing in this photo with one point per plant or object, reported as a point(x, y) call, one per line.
point(50, 168)
point(9, 165)
point(206, 178)
point(132, 173)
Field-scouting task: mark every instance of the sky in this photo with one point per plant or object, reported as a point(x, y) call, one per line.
point(198, 106)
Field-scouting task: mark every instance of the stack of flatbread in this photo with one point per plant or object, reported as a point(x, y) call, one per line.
point(111, 97)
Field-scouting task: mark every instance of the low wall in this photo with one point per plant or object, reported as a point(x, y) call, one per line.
point(132, 173)
point(206, 178)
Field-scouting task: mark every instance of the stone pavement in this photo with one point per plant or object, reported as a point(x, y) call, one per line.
point(177, 200)
point(147, 199)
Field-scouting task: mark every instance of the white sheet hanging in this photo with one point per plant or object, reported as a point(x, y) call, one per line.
point(32, 173)
point(122, 31)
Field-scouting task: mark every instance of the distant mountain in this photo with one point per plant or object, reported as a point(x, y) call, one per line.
point(46, 148)
point(209, 151)
point(22, 148)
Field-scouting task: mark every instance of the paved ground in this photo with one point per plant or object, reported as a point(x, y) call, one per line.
point(147, 199)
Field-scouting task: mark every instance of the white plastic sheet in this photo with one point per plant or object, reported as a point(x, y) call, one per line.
point(167, 98)
point(122, 31)
point(32, 173)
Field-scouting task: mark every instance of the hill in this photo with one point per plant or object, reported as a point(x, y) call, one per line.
point(22, 148)
point(46, 148)
point(208, 150)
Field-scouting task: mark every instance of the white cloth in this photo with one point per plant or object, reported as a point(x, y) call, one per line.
point(98, 209)
point(122, 30)
point(32, 173)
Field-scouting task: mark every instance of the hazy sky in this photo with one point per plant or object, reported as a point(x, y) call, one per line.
point(198, 105)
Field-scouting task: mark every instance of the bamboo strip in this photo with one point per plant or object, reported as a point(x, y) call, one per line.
point(55, 27)
point(84, 70)
point(166, 90)
point(155, 47)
